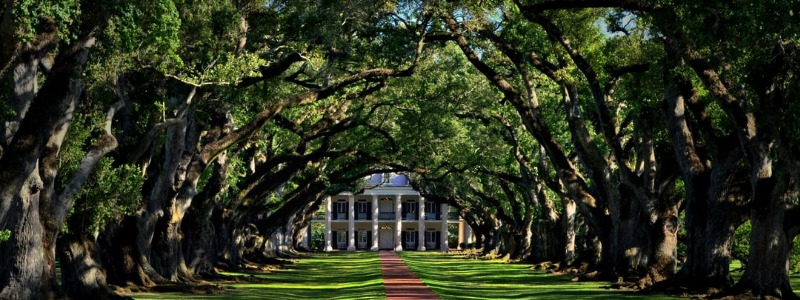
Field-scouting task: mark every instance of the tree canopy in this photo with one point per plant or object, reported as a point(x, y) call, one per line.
point(648, 142)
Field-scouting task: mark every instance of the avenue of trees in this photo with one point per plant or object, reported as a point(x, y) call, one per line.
point(643, 142)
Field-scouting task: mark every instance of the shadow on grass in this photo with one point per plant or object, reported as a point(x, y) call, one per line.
point(322, 276)
point(453, 277)
point(349, 275)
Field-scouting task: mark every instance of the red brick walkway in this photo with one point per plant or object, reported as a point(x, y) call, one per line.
point(399, 281)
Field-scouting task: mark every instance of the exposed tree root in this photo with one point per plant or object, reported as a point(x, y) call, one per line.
point(741, 291)
point(676, 288)
point(204, 287)
point(175, 287)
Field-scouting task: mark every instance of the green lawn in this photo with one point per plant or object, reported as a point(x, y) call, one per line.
point(338, 275)
point(357, 275)
point(451, 277)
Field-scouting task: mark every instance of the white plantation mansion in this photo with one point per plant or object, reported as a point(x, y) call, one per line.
point(389, 214)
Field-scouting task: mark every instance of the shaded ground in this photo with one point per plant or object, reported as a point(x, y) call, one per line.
point(357, 275)
point(324, 276)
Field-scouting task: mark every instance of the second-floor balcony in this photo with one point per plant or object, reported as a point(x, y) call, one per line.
point(386, 215)
point(410, 216)
point(433, 216)
point(339, 216)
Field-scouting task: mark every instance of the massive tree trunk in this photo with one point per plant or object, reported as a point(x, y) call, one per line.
point(31, 210)
point(23, 254)
point(167, 252)
point(710, 226)
point(20, 197)
point(222, 219)
point(661, 245)
point(523, 237)
point(772, 151)
point(163, 187)
point(83, 274)
point(767, 273)
point(623, 250)
point(711, 214)
point(200, 242)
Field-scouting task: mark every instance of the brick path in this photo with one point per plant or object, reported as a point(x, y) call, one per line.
point(399, 281)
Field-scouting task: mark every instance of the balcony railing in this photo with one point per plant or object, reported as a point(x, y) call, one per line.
point(339, 216)
point(389, 215)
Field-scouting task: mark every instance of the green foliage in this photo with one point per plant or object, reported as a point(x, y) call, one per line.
point(5, 234)
point(6, 84)
point(163, 30)
point(740, 246)
point(317, 236)
point(111, 193)
point(32, 15)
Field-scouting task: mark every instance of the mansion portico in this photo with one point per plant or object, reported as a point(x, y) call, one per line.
point(389, 214)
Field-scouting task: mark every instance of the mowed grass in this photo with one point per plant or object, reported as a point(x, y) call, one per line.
point(357, 275)
point(337, 275)
point(453, 277)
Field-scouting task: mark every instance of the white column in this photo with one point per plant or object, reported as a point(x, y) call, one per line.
point(398, 228)
point(421, 225)
point(443, 242)
point(351, 223)
point(328, 233)
point(467, 233)
point(375, 213)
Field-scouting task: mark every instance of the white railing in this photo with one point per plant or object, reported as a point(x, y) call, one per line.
point(386, 215)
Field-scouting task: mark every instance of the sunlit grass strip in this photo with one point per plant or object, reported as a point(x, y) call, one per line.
point(452, 277)
point(342, 275)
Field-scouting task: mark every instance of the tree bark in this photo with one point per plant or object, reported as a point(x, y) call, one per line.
point(710, 217)
point(122, 257)
point(767, 273)
point(83, 274)
point(201, 243)
point(29, 169)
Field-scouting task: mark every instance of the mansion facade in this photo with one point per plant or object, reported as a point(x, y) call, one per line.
point(389, 215)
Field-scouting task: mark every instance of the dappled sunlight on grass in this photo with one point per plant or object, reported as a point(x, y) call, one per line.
point(357, 275)
point(452, 277)
point(323, 276)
